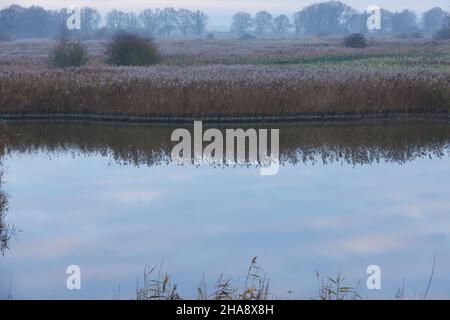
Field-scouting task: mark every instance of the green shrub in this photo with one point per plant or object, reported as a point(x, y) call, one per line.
point(126, 49)
point(67, 54)
point(355, 40)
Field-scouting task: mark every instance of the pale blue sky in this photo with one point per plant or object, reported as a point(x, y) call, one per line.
point(228, 6)
point(221, 10)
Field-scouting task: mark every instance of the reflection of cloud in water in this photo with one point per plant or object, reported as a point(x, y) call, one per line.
point(131, 196)
point(367, 245)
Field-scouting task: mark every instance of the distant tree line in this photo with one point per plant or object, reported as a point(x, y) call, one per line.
point(336, 18)
point(325, 18)
point(36, 22)
point(159, 21)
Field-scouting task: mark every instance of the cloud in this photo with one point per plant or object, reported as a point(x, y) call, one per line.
point(366, 245)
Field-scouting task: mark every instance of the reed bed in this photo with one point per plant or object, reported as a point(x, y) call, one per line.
point(214, 91)
point(236, 79)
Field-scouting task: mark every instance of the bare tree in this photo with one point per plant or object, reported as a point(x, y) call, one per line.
point(299, 22)
point(149, 20)
point(90, 19)
point(358, 23)
point(199, 21)
point(132, 22)
point(167, 21)
point(35, 23)
point(432, 19)
point(184, 21)
point(282, 24)
point(444, 32)
point(10, 19)
point(263, 22)
point(116, 20)
point(386, 21)
point(327, 17)
point(242, 22)
point(404, 21)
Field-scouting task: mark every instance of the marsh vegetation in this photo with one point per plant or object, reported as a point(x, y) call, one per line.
point(217, 78)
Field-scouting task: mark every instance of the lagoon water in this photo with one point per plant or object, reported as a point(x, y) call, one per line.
point(106, 197)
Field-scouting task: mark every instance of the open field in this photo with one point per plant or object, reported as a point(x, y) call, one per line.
point(213, 79)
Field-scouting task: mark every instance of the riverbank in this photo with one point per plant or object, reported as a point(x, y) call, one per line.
point(300, 81)
point(310, 118)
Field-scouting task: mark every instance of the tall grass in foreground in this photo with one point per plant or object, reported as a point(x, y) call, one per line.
point(157, 285)
point(334, 288)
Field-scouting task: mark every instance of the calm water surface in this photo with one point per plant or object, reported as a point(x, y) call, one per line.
point(105, 197)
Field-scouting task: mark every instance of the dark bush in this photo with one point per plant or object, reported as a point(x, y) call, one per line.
point(414, 35)
point(355, 40)
point(210, 36)
point(444, 32)
point(127, 49)
point(102, 34)
point(68, 53)
point(247, 36)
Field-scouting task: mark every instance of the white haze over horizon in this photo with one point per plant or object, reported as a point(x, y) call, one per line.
point(221, 11)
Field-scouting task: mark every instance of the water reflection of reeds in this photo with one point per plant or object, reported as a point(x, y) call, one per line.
point(351, 143)
point(6, 232)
